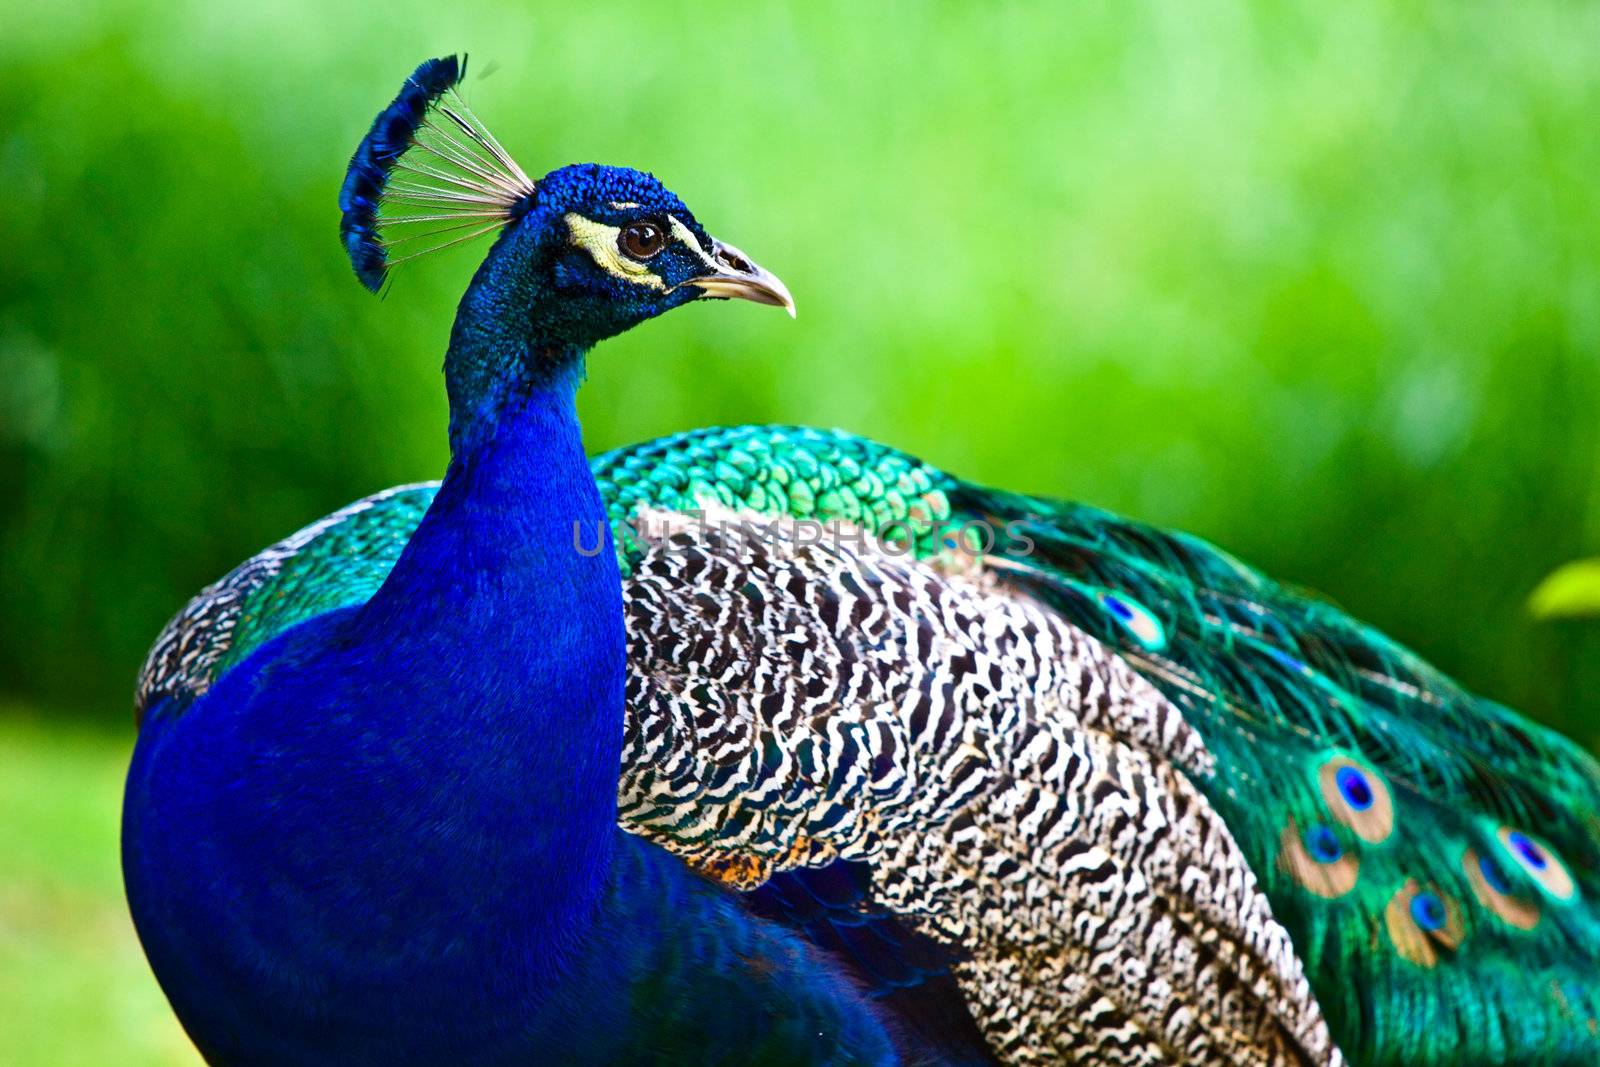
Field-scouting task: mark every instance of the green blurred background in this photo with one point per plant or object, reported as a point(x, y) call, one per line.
point(1320, 282)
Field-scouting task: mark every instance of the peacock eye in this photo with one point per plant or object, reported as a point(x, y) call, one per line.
point(641, 240)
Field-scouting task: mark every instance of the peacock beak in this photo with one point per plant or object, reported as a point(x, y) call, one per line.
point(737, 275)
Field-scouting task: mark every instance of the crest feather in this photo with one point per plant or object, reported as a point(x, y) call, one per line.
point(427, 175)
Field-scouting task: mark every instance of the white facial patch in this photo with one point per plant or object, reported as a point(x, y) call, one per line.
point(686, 235)
point(600, 241)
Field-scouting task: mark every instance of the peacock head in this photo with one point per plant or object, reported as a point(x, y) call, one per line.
point(624, 248)
point(595, 249)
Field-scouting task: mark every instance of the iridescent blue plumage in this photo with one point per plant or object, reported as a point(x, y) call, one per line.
point(354, 851)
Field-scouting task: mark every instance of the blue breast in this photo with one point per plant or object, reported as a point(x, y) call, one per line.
point(388, 836)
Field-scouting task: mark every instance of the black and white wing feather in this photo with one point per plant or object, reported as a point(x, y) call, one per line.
point(1017, 792)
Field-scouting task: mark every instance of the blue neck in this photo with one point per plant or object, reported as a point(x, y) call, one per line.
point(391, 828)
point(508, 340)
point(510, 636)
point(388, 837)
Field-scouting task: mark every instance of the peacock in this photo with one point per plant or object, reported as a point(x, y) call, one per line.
point(768, 744)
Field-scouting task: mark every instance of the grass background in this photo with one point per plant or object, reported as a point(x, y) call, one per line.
point(1319, 282)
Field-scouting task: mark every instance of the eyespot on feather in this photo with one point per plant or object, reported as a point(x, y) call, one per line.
point(1317, 860)
point(1423, 923)
point(1427, 911)
point(1358, 797)
point(1137, 620)
point(1493, 889)
point(1536, 859)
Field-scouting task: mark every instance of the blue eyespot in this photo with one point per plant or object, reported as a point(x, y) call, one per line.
point(1530, 852)
point(1357, 796)
point(1415, 910)
point(1538, 861)
point(1322, 844)
point(1137, 620)
point(1317, 860)
point(1493, 876)
point(1354, 787)
point(1428, 911)
point(1491, 884)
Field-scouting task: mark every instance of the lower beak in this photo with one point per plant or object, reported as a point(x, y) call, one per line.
point(739, 277)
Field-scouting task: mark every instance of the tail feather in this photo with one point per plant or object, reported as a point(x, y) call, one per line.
point(1435, 855)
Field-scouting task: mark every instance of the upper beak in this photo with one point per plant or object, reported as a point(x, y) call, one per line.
point(737, 275)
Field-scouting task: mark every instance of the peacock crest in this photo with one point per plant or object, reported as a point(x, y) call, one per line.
point(427, 176)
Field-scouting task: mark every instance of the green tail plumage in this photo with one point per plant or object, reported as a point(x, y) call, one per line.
point(1435, 857)
point(1429, 931)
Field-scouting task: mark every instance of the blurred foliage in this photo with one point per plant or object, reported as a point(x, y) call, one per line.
point(1570, 592)
point(75, 990)
point(1320, 282)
